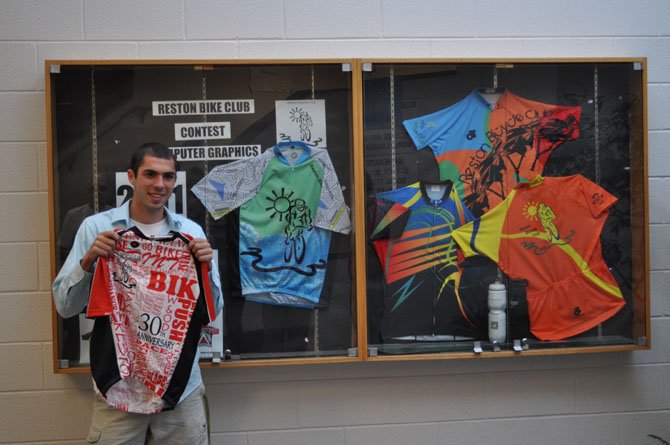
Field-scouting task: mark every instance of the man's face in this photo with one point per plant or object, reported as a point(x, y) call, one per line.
point(154, 183)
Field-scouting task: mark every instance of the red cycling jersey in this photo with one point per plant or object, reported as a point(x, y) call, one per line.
point(151, 297)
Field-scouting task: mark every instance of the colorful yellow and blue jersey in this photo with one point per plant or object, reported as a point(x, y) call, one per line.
point(412, 240)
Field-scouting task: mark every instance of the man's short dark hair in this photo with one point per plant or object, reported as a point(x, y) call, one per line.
point(154, 149)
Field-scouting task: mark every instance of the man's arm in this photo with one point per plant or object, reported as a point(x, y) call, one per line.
point(72, 285)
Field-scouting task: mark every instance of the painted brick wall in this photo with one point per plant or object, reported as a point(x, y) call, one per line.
point(591, 399)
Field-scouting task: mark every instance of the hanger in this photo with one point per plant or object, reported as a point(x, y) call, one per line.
point(491, 94)
point(491, 90)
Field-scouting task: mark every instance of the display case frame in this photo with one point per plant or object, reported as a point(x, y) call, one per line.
point(285, 79)
point(639, 220)
point(362, 348)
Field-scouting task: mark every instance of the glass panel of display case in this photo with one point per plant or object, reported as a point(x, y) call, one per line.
point(276, 137)
point(505, 206)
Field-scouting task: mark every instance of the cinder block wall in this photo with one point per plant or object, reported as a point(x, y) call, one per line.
point(589, 399)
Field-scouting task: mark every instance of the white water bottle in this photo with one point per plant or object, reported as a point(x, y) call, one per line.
point(497, 301)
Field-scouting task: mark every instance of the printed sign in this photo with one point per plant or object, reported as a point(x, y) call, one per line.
point(201, 107)
point(85, 331)
point(301, 120)
point(211, 336)
point(216, 152)
point(201, 131)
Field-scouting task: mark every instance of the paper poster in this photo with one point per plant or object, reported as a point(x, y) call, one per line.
point(85, 331)
point(301, 120)
point(201, 131)
point(211, 340)
point(201, 107)
point(211, 336)
point(216, 152)
point(176, 203)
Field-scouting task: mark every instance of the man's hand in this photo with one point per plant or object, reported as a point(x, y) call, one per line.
point(102, 246)
point(202, 250)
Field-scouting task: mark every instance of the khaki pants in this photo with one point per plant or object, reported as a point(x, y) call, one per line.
point(186, 424)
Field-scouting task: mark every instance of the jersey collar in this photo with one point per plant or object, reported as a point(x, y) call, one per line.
point(539, 180)
point(500, 103)
point(306, 151)
point(445, 197)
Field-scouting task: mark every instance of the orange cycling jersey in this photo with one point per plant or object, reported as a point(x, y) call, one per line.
point(548, 232)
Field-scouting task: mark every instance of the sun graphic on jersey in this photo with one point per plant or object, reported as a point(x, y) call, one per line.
point(530, 210)
point(281, 203)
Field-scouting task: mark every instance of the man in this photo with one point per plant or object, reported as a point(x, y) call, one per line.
point(153, 174)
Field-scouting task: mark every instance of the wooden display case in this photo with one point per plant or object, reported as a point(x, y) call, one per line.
point(99, 111)
point(488, 128)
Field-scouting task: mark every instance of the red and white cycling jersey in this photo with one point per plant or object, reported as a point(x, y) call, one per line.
point(150, 298)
